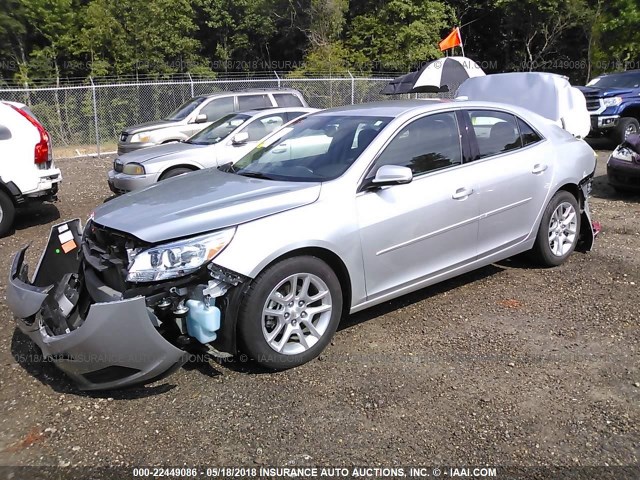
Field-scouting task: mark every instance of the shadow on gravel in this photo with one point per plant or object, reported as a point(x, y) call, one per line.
point(36, 214)
point(419, 296)
point(602, 189)
point(29, 357)
point(601, 143)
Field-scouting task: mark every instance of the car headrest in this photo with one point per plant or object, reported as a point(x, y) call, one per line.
point(503, 133)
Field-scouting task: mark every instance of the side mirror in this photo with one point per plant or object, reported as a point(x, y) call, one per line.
point(201, 118)
point(240, 138)
point(392, 175)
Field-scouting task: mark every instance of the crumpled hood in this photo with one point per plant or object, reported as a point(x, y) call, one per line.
point(199, 202)
point(160, 151)
point(149, 126)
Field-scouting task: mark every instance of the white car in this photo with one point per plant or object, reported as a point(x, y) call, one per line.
point(226, 140)
point(27, 172)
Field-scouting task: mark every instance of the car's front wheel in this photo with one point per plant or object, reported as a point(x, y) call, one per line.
point(290, 312)
point(626, 126)
point(559, 230)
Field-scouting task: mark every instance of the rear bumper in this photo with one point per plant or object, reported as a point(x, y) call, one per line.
point(120, 183)
point(45, 189)
point(116, 344)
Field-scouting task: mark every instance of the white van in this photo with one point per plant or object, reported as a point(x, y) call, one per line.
point(27, 172)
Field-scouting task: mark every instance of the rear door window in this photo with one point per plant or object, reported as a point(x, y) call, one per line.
point(5, 133)
point(287, 100)
point(264, 126)
point(250, 102)
point(529, 136)
point(496, 132)
point(218, 108)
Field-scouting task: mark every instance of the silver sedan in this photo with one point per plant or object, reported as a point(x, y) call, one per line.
point(342, 210)
point(225, 140)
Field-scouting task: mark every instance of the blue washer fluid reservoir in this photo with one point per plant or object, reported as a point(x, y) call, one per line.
point(203, 321)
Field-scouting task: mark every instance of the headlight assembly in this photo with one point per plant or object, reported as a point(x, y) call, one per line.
point(612, 101)
point(176, 259)
point(133, 169)
point(142, 137)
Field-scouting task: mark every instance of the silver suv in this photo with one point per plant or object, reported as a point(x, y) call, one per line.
point(200, 112)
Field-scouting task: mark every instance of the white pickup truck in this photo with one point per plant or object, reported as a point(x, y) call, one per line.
point(27, 172)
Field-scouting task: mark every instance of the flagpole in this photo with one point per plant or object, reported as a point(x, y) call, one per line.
point(461, 42)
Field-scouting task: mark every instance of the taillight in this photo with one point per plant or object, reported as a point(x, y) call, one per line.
point(42, 153)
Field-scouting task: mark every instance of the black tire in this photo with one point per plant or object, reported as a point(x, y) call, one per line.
point(7, 213)
point(542, 252)
point(174, 172)
point(626, 126)
point(250, 321)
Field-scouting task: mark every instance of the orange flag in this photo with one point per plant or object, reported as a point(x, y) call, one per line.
point(454, 39)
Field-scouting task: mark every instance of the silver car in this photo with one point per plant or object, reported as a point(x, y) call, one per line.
point(346, 209)
point(225, 140)
point(199, 112)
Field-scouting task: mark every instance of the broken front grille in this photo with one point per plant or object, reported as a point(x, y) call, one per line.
point(105, 252)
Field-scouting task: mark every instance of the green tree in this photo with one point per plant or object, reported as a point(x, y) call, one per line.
point(235, 33)
point(50, 28)
point(617, 36)
point(399, 34)
point(13, 51)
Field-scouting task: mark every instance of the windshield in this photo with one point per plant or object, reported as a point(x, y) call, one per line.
point(218, 130)
point(621, 80)
point(314, 149)
point(185, 109)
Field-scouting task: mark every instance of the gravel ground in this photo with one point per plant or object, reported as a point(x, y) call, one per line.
point(509, 365)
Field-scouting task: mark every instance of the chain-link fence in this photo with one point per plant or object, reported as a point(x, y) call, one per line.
point(87, 119)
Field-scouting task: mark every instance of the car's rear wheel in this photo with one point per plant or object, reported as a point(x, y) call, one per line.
point(175, 172)
point(559, 230)
point(7, 213)
point(290, 312)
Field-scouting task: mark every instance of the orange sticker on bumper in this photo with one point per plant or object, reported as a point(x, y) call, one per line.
point(68, 246)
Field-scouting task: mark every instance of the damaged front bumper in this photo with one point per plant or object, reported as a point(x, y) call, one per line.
point(114, 344)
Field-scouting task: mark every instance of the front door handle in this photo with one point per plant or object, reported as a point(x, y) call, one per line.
point(462, 193)
point(539, 168)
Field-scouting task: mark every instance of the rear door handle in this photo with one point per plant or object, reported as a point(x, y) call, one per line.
point(539, 168)
point(462, 193)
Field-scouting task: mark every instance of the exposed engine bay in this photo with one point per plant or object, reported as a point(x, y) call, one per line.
point(106, 331)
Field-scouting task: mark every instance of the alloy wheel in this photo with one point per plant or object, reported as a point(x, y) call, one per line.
point(563, 229)
point(296, 313)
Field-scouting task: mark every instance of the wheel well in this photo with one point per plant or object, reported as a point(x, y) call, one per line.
point(193, 168)
point(574, 190)
point(9, 193)
point(331, 259)
point(632, 112)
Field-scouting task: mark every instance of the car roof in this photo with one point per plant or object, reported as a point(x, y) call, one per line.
point(391, 108)
point(249, 90)
point(269, 110)
point(14, 104)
